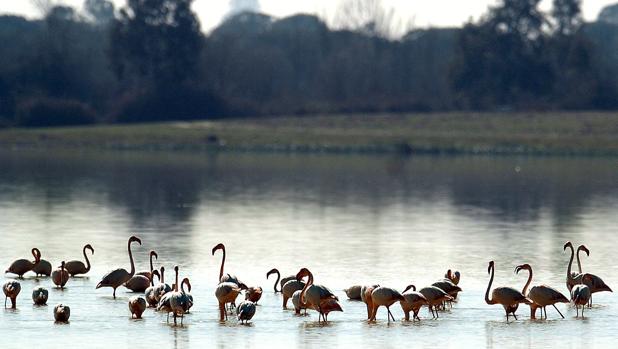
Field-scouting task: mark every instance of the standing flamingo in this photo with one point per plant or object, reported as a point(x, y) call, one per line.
point(175, 302)
point(541, 295)
point(182, 289)
point(253, 294)
point(227, 292)
point(227, 277)
point(11, 289)
point(366, 298)
point(314, 296)
point(22, 266)
point(508, 297)
point(60, 276)
point(76, 267)
point(596, 284)
point(580, 294)
point(412, 301)
point(384, 296)
point(119, 276)
point(44, 268)
point(296, 302)
point(245, 311)
point(435, 297)
point(150, 293)
point(283, 281)
point(289, 288)
point(137, 306)
point(572, 278)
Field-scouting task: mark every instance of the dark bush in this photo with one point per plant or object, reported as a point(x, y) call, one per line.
point(44, 112)
point(179, 102)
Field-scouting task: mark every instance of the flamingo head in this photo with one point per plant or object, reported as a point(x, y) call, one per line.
point(243, 286)
point(218, 247)
point(521, 267)
point(61, 266)
point(176, 268)
point(302, 273)
point(272, 271)
point(153, 253)
point(135, 239)
point(491, 265)
point(567, 244)
point(89, 247)
point(409, 287)
point(37, 254)
point(188, 283)
point(585, 249)
point(457, 275)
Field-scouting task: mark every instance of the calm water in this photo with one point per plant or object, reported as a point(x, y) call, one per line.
point(350, 219)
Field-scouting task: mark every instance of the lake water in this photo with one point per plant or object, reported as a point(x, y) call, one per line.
point(349, 219)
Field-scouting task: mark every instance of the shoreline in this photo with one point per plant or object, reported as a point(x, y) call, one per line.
point(530, 134)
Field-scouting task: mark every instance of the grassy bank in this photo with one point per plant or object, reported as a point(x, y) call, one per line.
point(468, 133)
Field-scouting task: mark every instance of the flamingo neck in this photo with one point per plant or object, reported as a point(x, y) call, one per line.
point(37, 257)
point(579, 264)
point(87, 260)
point(491, 279)
point(569, 277)
point(222, 265)
point(304, 291)
point(176, 286)
point(162, 278)
point(131, 259)
point(527, 282)
point(278, 278)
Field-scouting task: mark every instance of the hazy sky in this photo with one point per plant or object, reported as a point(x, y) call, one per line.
point(423, 12)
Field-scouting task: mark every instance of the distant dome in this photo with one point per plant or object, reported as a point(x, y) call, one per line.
point(609, 14)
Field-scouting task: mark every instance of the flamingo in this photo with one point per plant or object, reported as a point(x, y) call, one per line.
point(289, 288)
point(227, 292)
point(314, 296)
point(227, 277)
point(541, 295)
point(508, 297)
point(159, 290)
point(596, 284)
point(283, 281)
point(119, 276)
point(60, 276)
point(412, 301)
point(253, 294)
point(453, 277)
point(366, 298)
point(151, 292)
point(245, 311)
point(148, 274)
point(435, 297)
point(175, 302)
point(329, 305)
point(40, 296)
point(182, 289)
point(572, 278)
point(353, 292)
point(22, 266)
point(76, 267)
point(62, 313)
point(449, 287)
point(580, 294)
point(138, 283)
point(11, 289)
point(44, 268)
point(384, 296)
point(137, 306)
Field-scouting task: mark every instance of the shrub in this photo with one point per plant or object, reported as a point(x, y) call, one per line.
point(46, 112)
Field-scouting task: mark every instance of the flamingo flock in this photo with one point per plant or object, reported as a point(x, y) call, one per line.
point(301, 289)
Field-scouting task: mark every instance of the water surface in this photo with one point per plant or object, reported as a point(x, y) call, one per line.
point(350, 219)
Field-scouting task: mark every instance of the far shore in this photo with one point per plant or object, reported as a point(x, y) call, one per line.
point(548, 133)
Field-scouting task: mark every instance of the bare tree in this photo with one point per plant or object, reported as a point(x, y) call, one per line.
point(369, 17)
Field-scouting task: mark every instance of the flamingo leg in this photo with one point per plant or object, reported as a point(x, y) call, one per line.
point(221, 312)
point(114, 293)
point(285, 302)
point(558, 310)
point(5, 300)
point(390, 314)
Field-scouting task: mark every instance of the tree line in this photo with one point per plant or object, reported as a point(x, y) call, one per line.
point(149, 61)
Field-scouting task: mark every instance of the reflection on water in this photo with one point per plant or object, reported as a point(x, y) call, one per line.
point(350, 219)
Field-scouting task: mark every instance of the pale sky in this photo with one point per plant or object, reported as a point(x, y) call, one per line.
point(423, 12)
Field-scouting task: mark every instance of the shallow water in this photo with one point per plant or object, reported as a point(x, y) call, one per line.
point(349, 219)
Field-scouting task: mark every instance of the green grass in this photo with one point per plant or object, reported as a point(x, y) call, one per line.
point(486, 133)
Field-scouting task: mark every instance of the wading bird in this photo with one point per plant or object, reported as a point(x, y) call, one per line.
point(76, 267)
point(435, 297)
point(22, 266)
point(226, 292)
point(137, 306)
point(314, 296)
point(40, 296)
point(449, 287)
point(253, 294)
point(283, 281)
point(184, 282)
point(44, 268)
point(11, 290)
point(296, 302)
point(572, 278)
point(508, 297)
point(384, 296)
point(119, 276)
point(60, 276)
point(245, 311)
point(62, 313)
point(366, 298)
point(175, 302)
point(353, 292)
point(288, 290)
point(580, 295)
point(227, 277)
point(149, 294)
point(541, 295)
point(595, 283)
point(412, 301)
